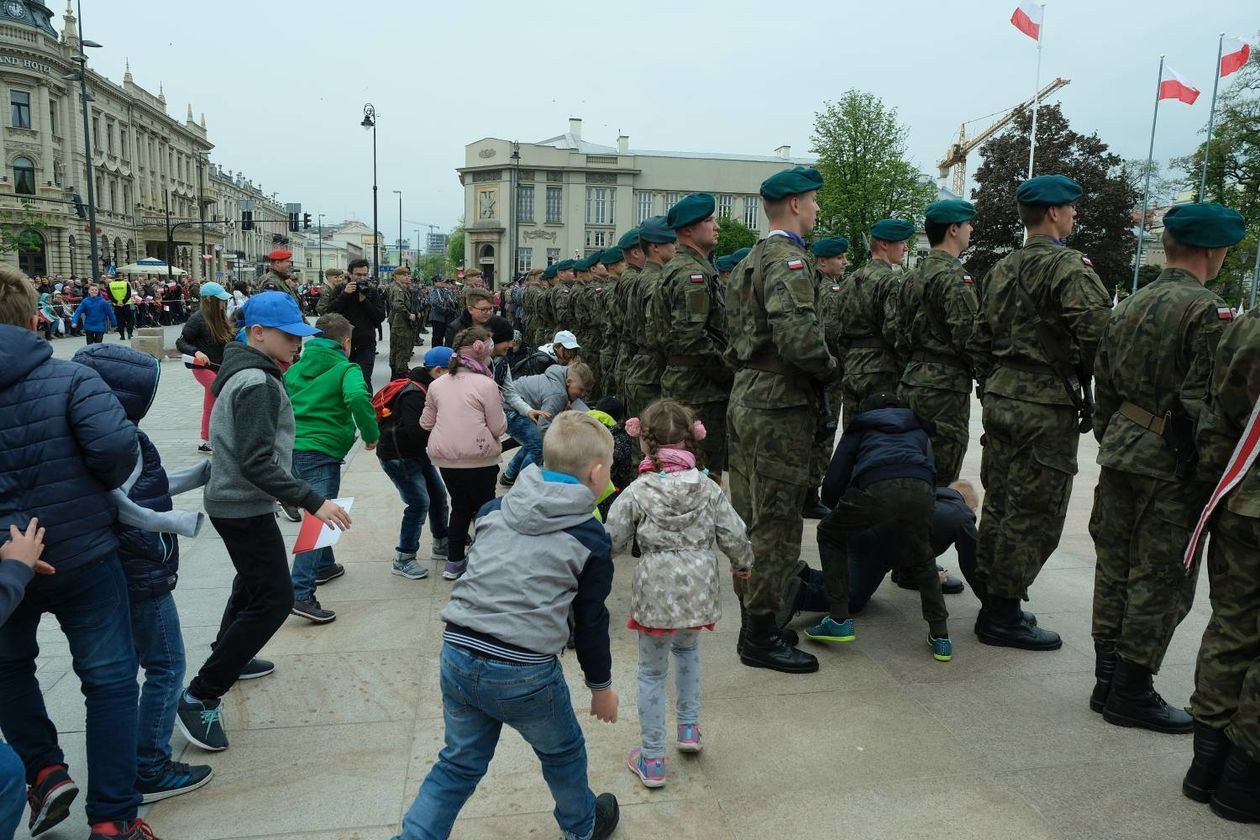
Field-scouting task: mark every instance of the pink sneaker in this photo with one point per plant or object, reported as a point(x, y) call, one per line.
point(651, 771)
point(689, 737)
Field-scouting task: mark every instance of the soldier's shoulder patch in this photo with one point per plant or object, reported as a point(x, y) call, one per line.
point(967, 278)
point(795, 263)
point(697, 278)
point(835, 288)
point(1224, 313)
point(1086, 260)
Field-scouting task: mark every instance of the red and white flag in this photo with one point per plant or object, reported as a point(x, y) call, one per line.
point(1234, 54)
point(1172, 86)
point(315, 534)
point(1027, 19)
point(1240, 463)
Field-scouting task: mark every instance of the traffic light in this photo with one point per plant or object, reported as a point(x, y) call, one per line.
point(79, 209)
point(306, 221)
point(293, 222)
point(247, 220)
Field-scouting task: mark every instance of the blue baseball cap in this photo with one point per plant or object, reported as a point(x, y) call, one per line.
point(278, 311)
point(438, 357)
point(214, 290)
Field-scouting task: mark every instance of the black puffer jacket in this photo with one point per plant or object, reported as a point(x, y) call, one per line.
point(363, 314)
point(880, 445)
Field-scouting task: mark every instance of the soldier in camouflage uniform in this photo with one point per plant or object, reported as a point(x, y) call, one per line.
point(868, 317)
point(1226, 699)
point(688, 316)
point(587, 323)
point(830, 260)
point(777, 348)
point(1031, 425)
point(632, 250)
point(402, 324)
point(1152, 371)
point(559, 302)
point(277, 276)
point(614, 261)
point(642, 372)
point(533, 286)
point(541, 310)
point(936, 313)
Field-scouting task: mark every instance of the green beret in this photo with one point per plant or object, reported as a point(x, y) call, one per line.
point(725, 265)
point(1207, 225)
point(655, 231)
point(892, 230)
point(693, 208)
point(549, 273)
point(951, 211)
point(585, 265)
point(739, 255)
point(566, 265)
point(1048, 191)
point(612, 255)
point(789, 182)
point(830, 246)
point(630, 239)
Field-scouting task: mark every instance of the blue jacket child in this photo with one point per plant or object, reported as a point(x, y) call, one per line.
point(95, 314)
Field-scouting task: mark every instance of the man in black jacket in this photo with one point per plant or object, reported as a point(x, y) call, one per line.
point(478, 308)
point(362, 305)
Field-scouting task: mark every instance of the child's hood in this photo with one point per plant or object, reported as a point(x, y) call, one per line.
point(132, 376)
point(674, 501)
point(536, 506)
point(891, 421)
point(319, 355)
point(237, 357)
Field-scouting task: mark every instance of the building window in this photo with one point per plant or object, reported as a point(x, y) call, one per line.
point(553, 256)
point(525, 203)
point(751, 206)
point(643, 208)
point(126, 198)
point(724, 206)
point(122, 144)
point(310, 263)
point(23, 176)
point(96, 132)
point(555, 204)
point(109, 136)
point(524, 259)
point(671, 198)
point(596, 239)
point(20, 108)
point(599, 206)
point(52, 115)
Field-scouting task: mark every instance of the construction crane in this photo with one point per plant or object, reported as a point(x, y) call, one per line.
point(956, 158)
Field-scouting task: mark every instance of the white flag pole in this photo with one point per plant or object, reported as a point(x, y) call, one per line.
point(1032, 140)
point(1146, 191)
point(1207, 144)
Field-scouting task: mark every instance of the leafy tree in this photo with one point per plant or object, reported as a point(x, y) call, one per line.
point(861, 150)
point(19, 229)
point(430, 264)
point(733, 235)
point(455, 247)
point(1104, 226)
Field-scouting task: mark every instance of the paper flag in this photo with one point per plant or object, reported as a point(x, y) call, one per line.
point(315, 534)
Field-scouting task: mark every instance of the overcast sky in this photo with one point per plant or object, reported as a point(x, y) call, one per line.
point(283, 84)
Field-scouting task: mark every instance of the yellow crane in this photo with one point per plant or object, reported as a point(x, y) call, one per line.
point(956, 158)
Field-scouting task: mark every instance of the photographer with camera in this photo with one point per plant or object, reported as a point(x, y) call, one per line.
point(359, 300)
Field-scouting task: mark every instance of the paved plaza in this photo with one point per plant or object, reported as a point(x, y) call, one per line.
point(882, 742)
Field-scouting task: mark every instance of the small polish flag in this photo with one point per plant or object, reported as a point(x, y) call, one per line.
point(315, 534)
point(1172, 86)
point(1027, 19)
point(1234, 54)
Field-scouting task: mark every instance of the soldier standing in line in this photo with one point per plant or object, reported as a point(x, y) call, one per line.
point(1152, 371)
point(402, 324)
point(586, 322)
point(830, 261)
point(558, 299)
point(646, 364)
point(279, 267)
point(543, 327)
point(779, 354)
point(688, 316)
point(1042, 310)
point(529, 302)
point(1226, 699)
point(632, 248)
point(868, 317)
point(614, 260)
point(724, 265)
point(936, 314)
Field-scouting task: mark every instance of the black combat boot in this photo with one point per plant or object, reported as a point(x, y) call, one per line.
point(1237, 797)
point(1211, 748)
point(813, 507)
point(1133, 701)
point(1001, 623)
point(764, 648)
point(789, 606)
point(1104, 670)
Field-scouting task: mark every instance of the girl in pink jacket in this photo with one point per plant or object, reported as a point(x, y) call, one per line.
point(464, 414)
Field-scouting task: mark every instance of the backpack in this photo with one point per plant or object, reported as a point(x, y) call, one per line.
point(383, 400)
point(533, 364)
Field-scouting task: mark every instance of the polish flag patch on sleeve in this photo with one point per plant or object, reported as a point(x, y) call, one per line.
point(1086, 260)
point(697, 278)
point(1224, 313)
point(967, 278)
point(795, 264)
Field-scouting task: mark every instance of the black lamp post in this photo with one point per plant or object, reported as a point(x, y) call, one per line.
point(81, 60)
point(369, 121)
point(321, 246)
point(399, 194)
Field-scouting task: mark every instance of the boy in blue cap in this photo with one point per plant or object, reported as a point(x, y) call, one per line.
point(252, 433)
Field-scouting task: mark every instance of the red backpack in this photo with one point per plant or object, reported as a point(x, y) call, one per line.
point(383, 400)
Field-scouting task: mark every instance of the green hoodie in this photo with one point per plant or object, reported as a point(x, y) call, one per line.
point(327, 392)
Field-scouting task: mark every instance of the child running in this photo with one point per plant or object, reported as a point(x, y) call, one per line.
point(678, 517)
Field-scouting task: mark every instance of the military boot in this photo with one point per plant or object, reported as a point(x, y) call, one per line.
point(1001, 623)
point(764, 648)
point(1133, 701)
point(1104, 670)
point(813, 507)
point(1211, 748)
point(1237, 797)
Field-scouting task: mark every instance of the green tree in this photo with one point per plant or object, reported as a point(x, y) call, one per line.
point(861, 150)
point(1104, 225)
point(455, 247)
point(20, 229)
point(429, 265)
point(733, 235)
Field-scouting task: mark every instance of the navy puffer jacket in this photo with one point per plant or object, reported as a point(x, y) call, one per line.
point(64, 443)
point(150, 560)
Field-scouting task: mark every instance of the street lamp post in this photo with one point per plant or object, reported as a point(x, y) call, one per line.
point(201, 214)
point(81, 60)
point(399, 194)
point(321, 245)
point(369, 121)
point(516, 212)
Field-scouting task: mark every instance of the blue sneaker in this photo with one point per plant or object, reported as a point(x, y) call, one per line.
point(830, 630)
point(201, 722)
point(942, 648)
point(174, 779)
point(651, 771)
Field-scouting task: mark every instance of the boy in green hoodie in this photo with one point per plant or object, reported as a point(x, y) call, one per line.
point(329, 400)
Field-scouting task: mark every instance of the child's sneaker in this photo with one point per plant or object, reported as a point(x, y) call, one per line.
point(130, 830)
point(651, 771)
point(329, 573)
point(689, 737)
point(405, 565)
point(441, 548)
point(201, 722)
point(205, 448)
point(256, 668)
point(50, 798)
point(175, 778)
point(942, 648)
point(453, 570)
point(830, 630)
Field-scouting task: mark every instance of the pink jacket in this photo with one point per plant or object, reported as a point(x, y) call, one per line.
point(464, 412)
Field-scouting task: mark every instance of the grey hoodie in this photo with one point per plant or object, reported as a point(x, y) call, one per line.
point(547, 391)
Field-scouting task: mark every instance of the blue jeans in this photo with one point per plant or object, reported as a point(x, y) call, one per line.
point(91, 605)
point(868, 565)
point(160, 647)
point(420, 485)
point(529, 436)
point(479, 695)
point(12, 791)
point(323, 473)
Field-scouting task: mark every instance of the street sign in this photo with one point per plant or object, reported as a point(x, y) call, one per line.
point(387, 268)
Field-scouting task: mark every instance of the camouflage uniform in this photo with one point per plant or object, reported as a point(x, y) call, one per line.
point(1030, 425)
point(546, 319)
point(611, 325)
point(868, 326)
point(936, 311)
point(402, 329)
point(529, 330)
point(689, 316)
point(589, 328)
point(779, 354)
point(642, 372)
point(830, 293)
point(282, 283)
point(1227, 676)
point(560, 300)
point(625, 291)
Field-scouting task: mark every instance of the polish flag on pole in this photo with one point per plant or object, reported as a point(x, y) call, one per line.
point(1234, 54)
point(1240, 463)
point(1027, 19)
point(315, 534)
point(1172, 86)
